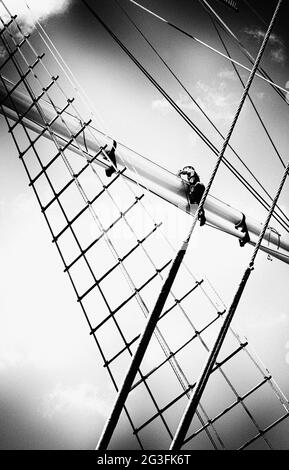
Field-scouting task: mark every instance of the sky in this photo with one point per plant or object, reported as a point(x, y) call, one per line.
point(54, 391)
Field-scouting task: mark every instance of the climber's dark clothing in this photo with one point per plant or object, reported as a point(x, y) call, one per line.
point(196, 192)
point(195, 188)
point(111, 155)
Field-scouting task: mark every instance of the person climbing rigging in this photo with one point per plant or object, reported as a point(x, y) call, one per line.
point(195, 188)
point(111, 156)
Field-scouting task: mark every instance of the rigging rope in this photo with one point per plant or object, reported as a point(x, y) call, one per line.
point(251, 100)
point(255, 12)
point(64, 66)
point(172, 25)
point(260, 119)
point(75, 84)
point(194, 401)
point(205, 427)
point(248, 186)
point(202, 110)
point(171, 359)
point(158, 308)
point(249, 56)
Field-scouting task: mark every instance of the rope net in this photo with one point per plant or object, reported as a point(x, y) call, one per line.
point(116, 253)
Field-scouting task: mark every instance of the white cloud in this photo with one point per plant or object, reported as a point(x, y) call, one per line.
point(81, 398)
point(227, 74)
point(216, 99)
point(41, 10)
point(12, 357)
point(260, 95)
point(185, 102)
point(193, 139)
point(182, 101)
point(278, 55)
point(160, 104)
point(277, 50)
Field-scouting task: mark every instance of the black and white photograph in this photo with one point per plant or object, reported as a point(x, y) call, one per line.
point(144, 227)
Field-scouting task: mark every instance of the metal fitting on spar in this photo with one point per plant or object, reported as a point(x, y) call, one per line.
point(144, 172)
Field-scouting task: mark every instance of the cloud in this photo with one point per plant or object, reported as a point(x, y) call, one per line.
point(182, 101)
point(277, 50)
point(81, 398)
point(12, 357)
point(193, 139)
point(278, 55)
point(227, 74)
point(230, 75)
point(41, 10)
point(216, 99)
point(160, 104)
point(260, 95)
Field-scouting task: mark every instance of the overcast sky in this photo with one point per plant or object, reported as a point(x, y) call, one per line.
point(54, 391)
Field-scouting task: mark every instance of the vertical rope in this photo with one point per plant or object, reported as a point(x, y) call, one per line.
point(61, 90)
point(153, 319)
point(171, 359)
point(249, 56)
point(202, 382)
point(184, 88)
